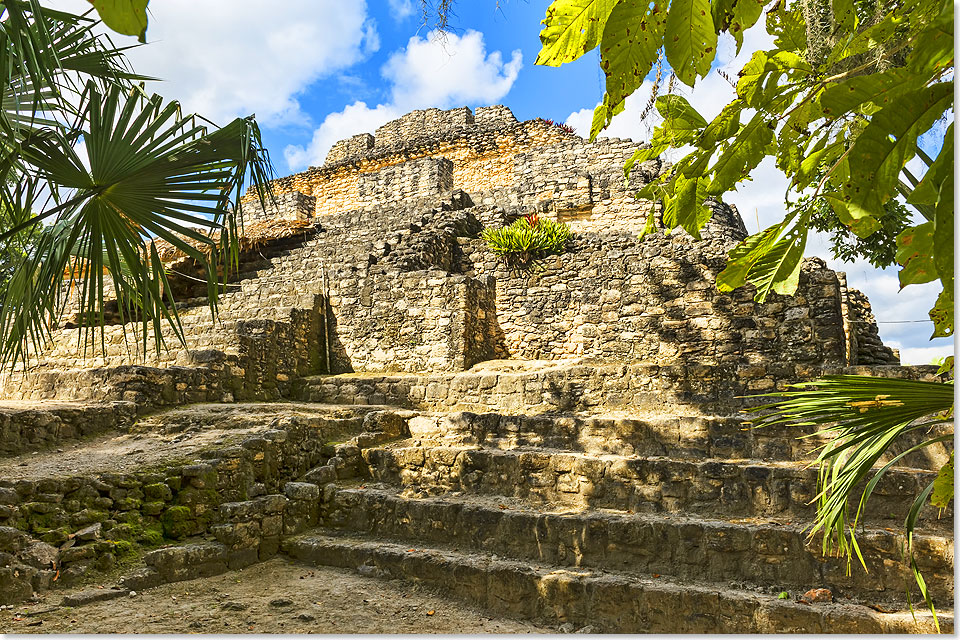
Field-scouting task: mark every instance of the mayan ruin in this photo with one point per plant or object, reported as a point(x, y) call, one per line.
point(562, 445)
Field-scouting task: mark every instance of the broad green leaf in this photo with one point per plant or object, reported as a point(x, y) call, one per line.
point(788, 28)
point(128, 17)
point(628, 49)
point(642, 155)
point(725, 125)
point(807, 171)
point(760, 83)
point(888, 142)
point(942, 315)
point(602, 116)
point(686, 209)
point(742, 257)
point(691, 40)
point(742, 156)
point(736, 16)
point(867, 39)
point(844, 14)
point(934, 45)
point(878, 88)
point(678, 114)
point(928, 191)
point(943, 486)
point(571, 28)
point(915, 255)
point(779, 269)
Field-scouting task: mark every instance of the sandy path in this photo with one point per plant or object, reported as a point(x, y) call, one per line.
point(278, 596)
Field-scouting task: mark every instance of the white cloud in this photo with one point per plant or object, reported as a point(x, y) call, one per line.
point(401, 9)
point(355, 118)
point(229, 58)
point(428, 72)
point(921, 355)
point(441, 72)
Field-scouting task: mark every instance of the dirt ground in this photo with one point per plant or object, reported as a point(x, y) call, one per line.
point(278, 596)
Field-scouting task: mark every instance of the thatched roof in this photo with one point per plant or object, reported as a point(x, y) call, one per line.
point(252, 236)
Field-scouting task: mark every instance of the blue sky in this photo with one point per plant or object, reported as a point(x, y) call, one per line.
point(315, 71)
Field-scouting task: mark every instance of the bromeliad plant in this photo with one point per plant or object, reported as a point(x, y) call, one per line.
point(99, 170)
point(527, 240)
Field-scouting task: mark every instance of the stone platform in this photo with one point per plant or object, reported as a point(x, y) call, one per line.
point(566, 445)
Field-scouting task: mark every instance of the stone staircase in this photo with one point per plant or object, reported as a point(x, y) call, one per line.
point(653, 524)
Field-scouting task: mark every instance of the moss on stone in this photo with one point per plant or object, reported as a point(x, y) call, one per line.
point(177, 522)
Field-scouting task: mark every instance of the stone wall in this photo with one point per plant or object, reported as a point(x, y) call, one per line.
point(870, 348)
point(617, 299)
point(27, 428)
point(241, 493)
point(291, 205)
point(575, 386)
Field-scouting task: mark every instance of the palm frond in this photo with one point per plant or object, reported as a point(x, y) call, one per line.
point(153, 174)
point(861, 417)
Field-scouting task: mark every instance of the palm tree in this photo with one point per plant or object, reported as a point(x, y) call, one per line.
point(98, 171)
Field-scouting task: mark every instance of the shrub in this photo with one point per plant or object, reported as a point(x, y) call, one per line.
point(559, 125)
point(527, 240)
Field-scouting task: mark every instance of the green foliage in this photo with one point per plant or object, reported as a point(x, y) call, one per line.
point(943, 486)
point(128, 17)
point(879, 248)
point(527, 240)
point(862, 417)
point(146, 172)
point(839, 104)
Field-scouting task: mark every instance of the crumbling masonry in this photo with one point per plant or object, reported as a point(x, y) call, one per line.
point(549, 439)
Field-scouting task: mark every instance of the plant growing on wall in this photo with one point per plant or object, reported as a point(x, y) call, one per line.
point(527, 240)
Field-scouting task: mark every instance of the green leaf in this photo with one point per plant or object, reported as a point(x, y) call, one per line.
point(942, 315)
point(888, 142)
point(128, 17)
point(679, 113)
point(788, 28)
point(602, 116)
point(943, 234)
point(915, 254)
point(742, 257)
point(779, 269)
point(725, 125)
point(628, 49)
point(571, 28)
point(736, 16)
point(691, 40)
point(642, 155)
point(747, 151)
point(877, 89)
point(943, 486)
point(686, 209)
point(934, 45)
point(759, 82)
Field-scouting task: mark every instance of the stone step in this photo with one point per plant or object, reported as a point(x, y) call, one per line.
point(727, 488)
point(760, 552)
point(167, 478)
point(534, 387)
point(610, 602)
point(644, 434)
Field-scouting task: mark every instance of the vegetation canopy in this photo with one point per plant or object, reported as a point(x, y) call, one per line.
point(95, 172)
